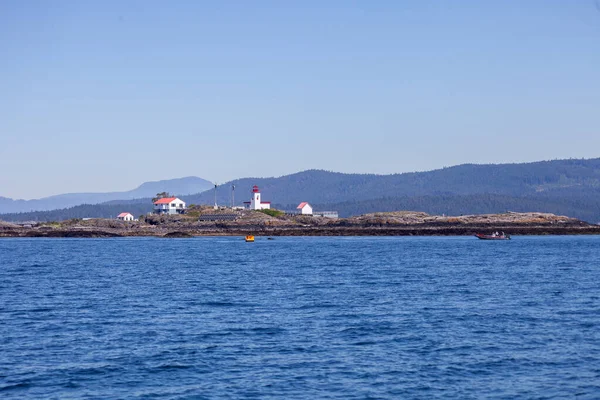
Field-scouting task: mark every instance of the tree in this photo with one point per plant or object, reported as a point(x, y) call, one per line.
point(160, 195)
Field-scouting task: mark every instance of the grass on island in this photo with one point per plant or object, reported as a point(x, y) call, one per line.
point(195, 214)
point(272, 212)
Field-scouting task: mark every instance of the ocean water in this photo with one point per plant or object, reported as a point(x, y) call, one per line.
point(300, 318)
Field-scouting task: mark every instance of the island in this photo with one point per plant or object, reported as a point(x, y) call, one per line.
point(204, 221)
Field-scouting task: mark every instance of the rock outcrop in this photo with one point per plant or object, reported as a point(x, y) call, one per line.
point(401, 223)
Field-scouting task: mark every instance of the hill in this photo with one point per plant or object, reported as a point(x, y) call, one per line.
point(565, 187)
point(179, 186)
point(323, 187)
point(586, 208)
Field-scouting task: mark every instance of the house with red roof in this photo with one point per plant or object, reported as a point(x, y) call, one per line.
point(169, 205)
point(125, 216)
point(304, 208)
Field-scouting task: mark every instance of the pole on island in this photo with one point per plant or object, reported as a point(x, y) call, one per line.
point(216, 206)
point(232, 196)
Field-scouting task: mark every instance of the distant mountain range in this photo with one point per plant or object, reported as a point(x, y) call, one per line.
point(567, 187)
point(179, 186)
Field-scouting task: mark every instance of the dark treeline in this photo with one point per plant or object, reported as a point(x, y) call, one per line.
point(82, 211)
point(584, 207)
point(579, 204)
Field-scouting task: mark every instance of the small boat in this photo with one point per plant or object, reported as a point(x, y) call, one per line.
point(493, 236)
point(249, 238)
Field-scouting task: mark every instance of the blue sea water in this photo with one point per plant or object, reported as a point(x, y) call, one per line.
point(300, 318)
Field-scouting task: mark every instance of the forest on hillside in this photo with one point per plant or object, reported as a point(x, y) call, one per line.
point(81, 211)
point(586, 208)
point(580, 205)
point(323, 187)
point(566, 187)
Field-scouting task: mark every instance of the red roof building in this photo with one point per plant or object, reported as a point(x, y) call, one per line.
point(125, 216)
point(169, 205)
point(305, 208)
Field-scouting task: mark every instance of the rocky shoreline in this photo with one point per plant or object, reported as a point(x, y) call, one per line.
point(258, 224)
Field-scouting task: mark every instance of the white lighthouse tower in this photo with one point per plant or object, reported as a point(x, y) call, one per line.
point(256, 203)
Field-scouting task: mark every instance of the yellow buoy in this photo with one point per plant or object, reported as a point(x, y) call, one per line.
point(249, 238)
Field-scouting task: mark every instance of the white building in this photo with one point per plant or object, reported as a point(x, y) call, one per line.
point(169, 205)
point(304, 208)
point(125, 216)
point(256, 203)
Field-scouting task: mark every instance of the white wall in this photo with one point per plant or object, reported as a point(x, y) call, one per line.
point(255, 202)
point(177, 204)
point(306, 210)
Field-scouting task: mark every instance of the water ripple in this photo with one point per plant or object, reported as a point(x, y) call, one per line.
point(300, 318)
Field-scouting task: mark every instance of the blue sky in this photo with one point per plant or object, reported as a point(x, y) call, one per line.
point(101, 96)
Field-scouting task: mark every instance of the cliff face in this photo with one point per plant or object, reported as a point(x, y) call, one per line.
point(402, 223)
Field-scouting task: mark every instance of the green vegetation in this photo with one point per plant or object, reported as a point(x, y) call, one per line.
point(160, 195)
point(193, 214)
point(273, 212)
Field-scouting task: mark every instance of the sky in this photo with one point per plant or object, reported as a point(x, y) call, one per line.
point(104, 95)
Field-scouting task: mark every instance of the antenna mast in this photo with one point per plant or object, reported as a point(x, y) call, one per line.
point(232, 196)
point(216, 206)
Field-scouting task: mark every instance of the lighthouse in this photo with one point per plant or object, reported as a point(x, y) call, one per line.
point(256, 203)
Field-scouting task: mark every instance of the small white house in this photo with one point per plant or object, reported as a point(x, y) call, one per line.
point(304, 208)
point(169, 205)
point(125, 216)
point(256, 203)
